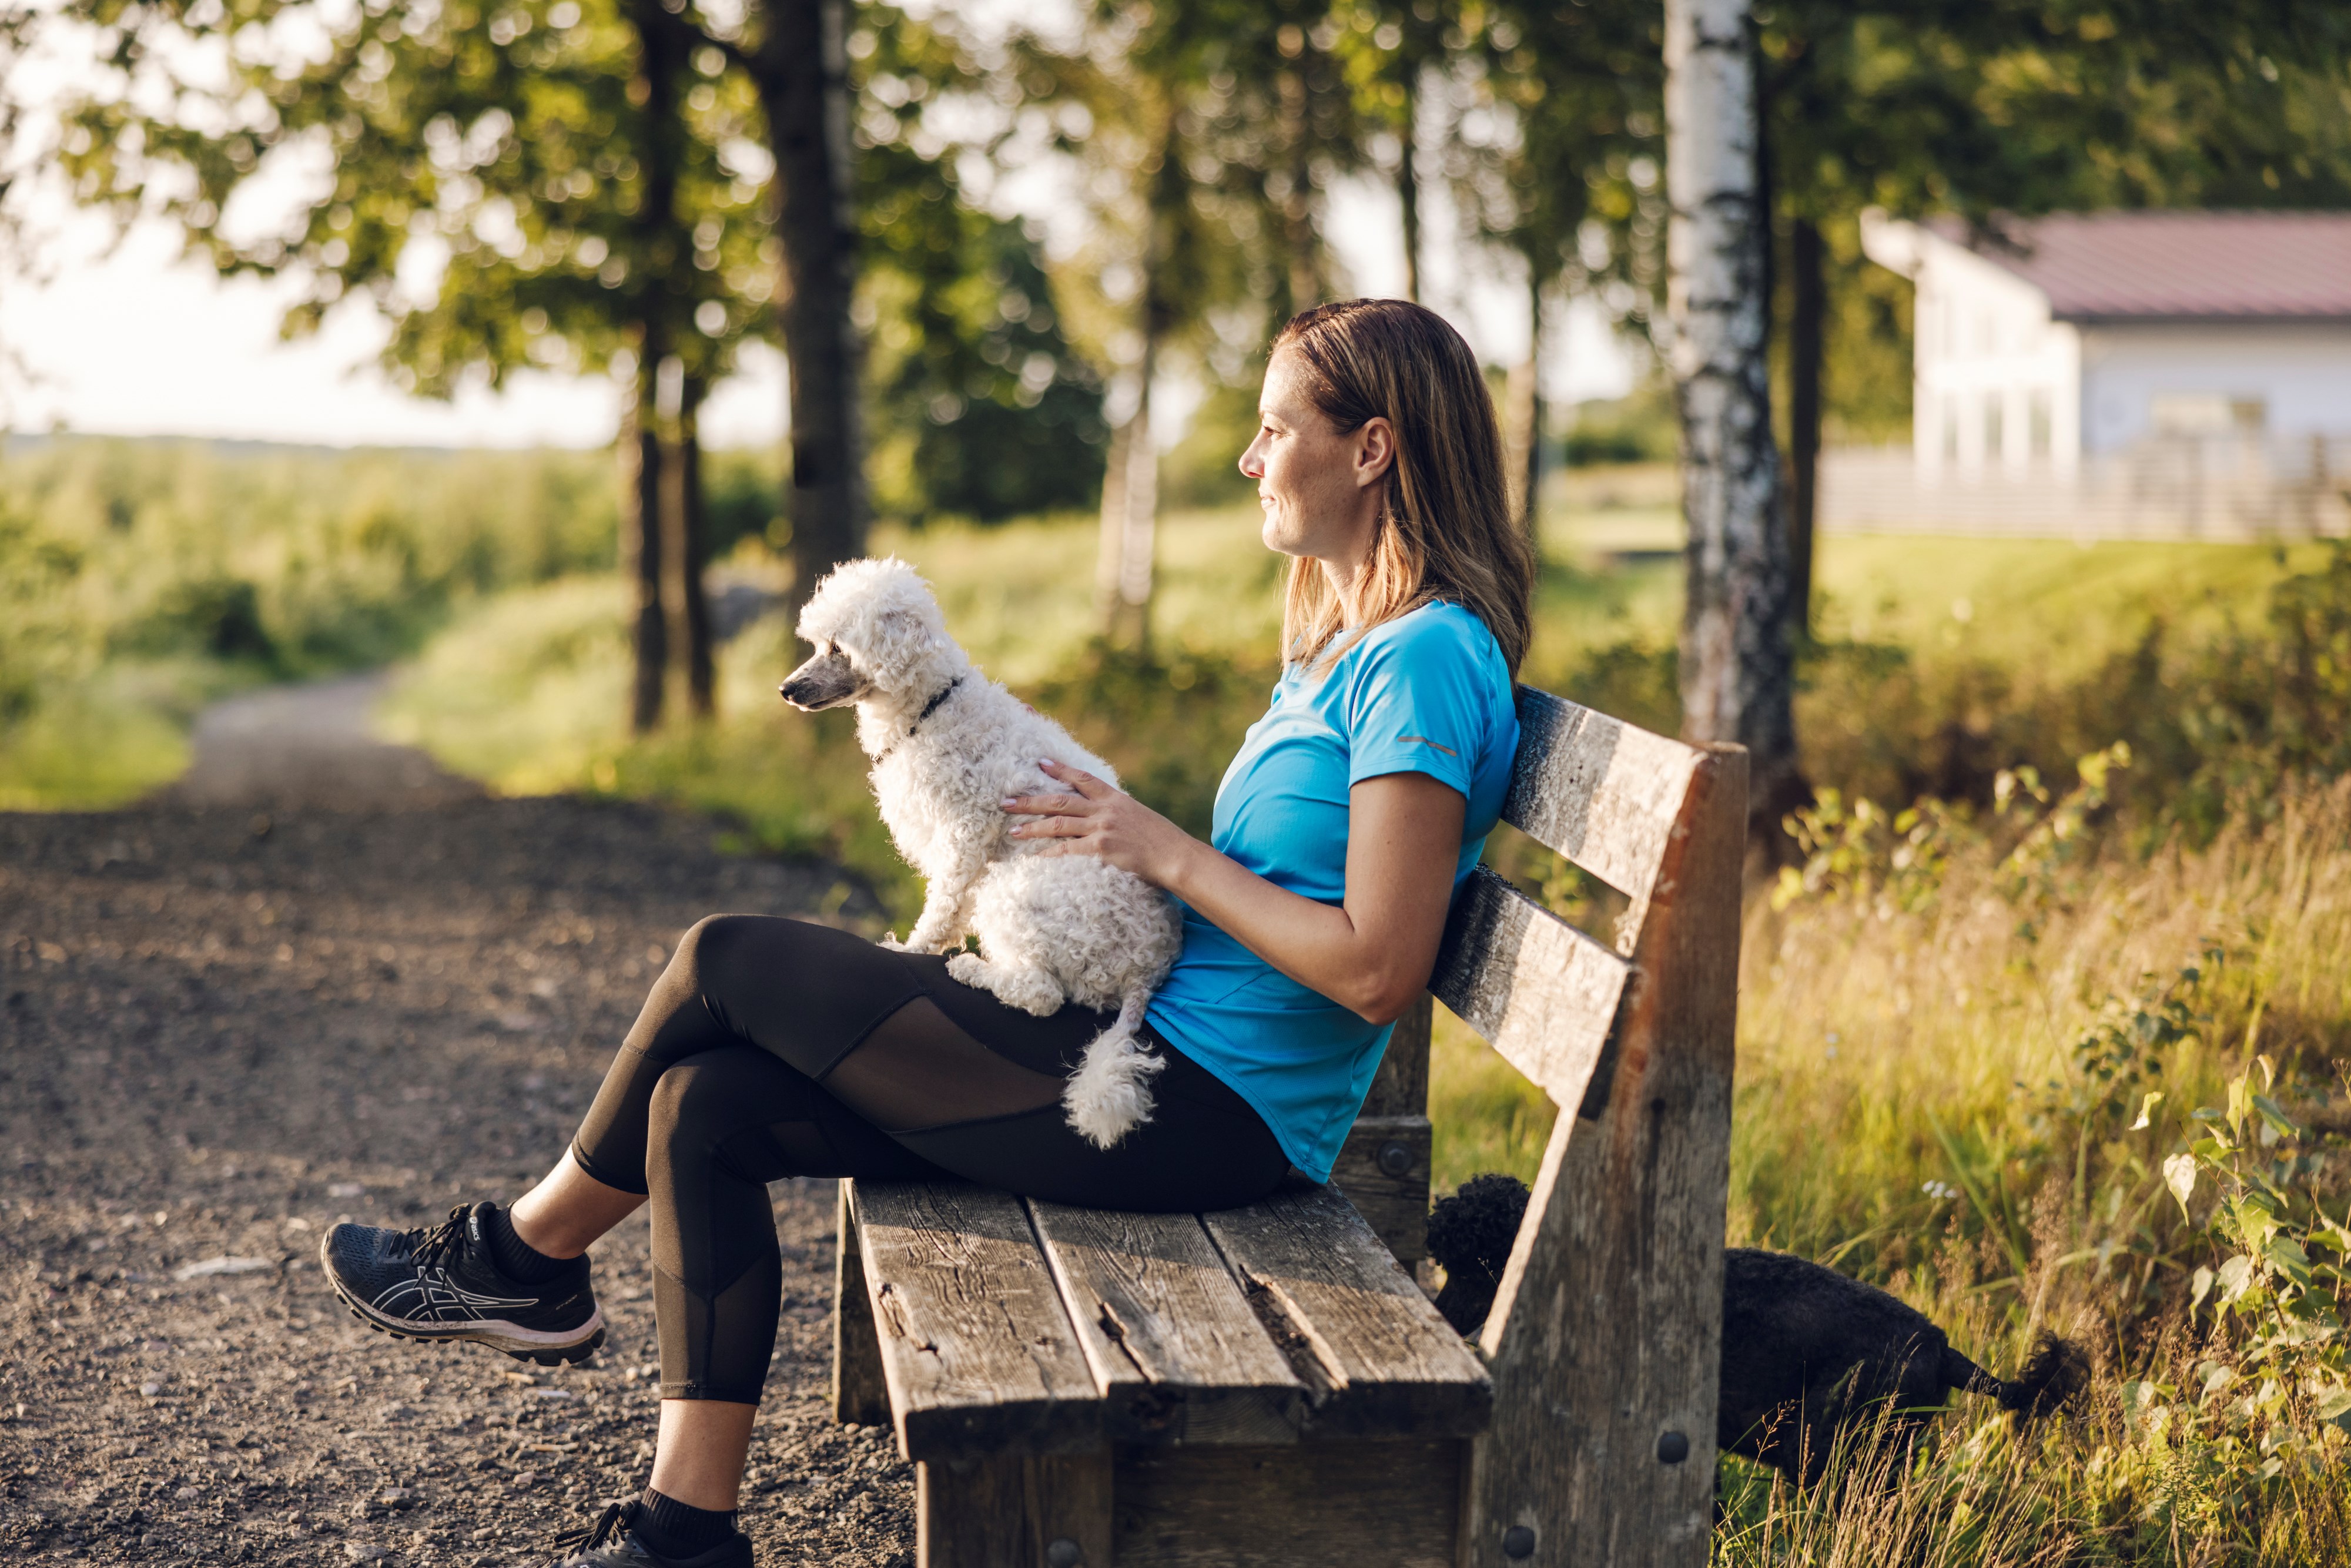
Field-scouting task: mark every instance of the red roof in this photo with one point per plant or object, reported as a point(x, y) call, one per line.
point(2170, 265)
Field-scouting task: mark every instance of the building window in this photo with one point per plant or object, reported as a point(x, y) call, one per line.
point(1995, 406)
point(2207, 414)
point(2039, 416)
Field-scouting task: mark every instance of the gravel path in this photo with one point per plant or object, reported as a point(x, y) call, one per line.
point(324, 979)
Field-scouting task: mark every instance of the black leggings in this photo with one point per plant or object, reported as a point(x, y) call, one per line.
point(774, 1048)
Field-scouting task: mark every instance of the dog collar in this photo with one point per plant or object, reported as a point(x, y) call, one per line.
point(929, 708)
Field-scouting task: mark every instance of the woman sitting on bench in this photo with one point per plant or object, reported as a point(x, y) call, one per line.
point(775, 1048)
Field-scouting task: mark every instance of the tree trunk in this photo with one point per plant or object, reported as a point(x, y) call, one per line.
point(641, 534)
point(653, 239)
point(802, 69)
point(1738, 674)
point(1111, 542)
point(685, 550)
point(1807, 333)
point(1300, 239)
point(1130, 535)
point(1130, 522)
point(1408, 181)
point(1523, 419)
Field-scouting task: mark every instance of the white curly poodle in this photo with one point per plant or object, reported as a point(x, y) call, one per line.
point(949, 746)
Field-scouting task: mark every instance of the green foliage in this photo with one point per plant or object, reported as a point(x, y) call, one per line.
point(139, 578)
point(1169, 722)
point(1202, 470)
point(1639, 427)
point(1572, 96)
point(570, 166)
point(742, 498)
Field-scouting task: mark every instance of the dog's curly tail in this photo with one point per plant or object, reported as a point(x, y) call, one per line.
point(2054, 1374)
point(1110, 1095)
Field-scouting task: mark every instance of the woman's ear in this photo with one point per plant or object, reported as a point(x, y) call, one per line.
point(1374, 452)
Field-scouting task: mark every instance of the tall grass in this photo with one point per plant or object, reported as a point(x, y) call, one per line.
point(139, 580)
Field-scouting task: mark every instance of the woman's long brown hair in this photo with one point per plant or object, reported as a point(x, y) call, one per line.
point(1445, 528)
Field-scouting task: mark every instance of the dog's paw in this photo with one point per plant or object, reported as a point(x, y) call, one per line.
point(888, 942)
point(1031, 990)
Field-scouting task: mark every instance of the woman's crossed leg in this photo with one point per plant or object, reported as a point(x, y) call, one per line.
point(770, 1049)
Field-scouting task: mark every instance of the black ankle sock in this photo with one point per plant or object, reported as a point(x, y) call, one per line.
point(676, 1529)
point(517, 1258)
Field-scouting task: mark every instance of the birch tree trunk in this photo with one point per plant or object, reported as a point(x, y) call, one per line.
point(1130, 523)
point(802, 71)
point(1737, 663)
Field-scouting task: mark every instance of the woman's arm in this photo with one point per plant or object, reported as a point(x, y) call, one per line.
point(1372, 954)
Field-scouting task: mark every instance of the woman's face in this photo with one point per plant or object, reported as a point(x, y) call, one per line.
point(1320, 487)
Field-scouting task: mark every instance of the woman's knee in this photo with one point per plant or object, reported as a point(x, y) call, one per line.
point(709, 941)
point(708, 1109)
point(688, 1116)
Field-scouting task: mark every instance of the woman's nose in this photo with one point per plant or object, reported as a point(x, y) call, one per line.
point(1249, 464)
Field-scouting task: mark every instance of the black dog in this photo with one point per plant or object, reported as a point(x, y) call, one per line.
point(1808, 1355)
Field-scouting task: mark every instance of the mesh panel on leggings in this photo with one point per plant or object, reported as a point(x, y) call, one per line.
point(919, 1069)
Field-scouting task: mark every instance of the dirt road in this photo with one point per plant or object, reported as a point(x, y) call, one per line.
point(324, 979)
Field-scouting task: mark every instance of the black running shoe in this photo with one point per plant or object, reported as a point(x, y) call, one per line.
point(614, 1541)
point(442, 1283)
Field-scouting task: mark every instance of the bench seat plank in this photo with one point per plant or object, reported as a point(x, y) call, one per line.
point(978, 1355)
point(1541, 993)
point(1377, 1360)
point(1176, 1349)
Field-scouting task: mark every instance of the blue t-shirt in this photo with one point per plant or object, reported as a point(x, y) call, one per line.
point(1426, 693)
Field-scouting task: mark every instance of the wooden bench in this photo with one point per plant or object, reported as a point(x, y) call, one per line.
point(1269, 1385)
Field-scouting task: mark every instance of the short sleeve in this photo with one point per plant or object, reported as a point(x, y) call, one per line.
point(1418, 701)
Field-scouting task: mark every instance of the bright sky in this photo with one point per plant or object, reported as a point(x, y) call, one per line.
point(129, 339)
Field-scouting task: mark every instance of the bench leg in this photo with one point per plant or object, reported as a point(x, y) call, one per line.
point(860, 1396)
point(1014, 1512)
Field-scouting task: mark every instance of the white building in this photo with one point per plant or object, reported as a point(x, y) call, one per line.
point(2188, 359)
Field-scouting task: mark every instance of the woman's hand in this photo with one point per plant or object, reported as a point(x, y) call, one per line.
point(1097, 818)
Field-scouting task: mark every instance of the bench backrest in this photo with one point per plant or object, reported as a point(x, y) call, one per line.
point(1604, 1338)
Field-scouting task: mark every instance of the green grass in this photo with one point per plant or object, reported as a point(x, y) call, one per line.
point(140, 579)
point(117, 736)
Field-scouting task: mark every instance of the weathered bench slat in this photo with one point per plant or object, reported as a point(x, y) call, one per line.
point(1376, 1358)
point(978, 1353)
point(1599, 792)
point(1176, 1349)
point(1541, 992)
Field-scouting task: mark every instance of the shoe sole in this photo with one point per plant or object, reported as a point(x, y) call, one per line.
point(522, 1344)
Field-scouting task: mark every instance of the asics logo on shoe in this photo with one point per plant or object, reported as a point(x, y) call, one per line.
point(435, 1295)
